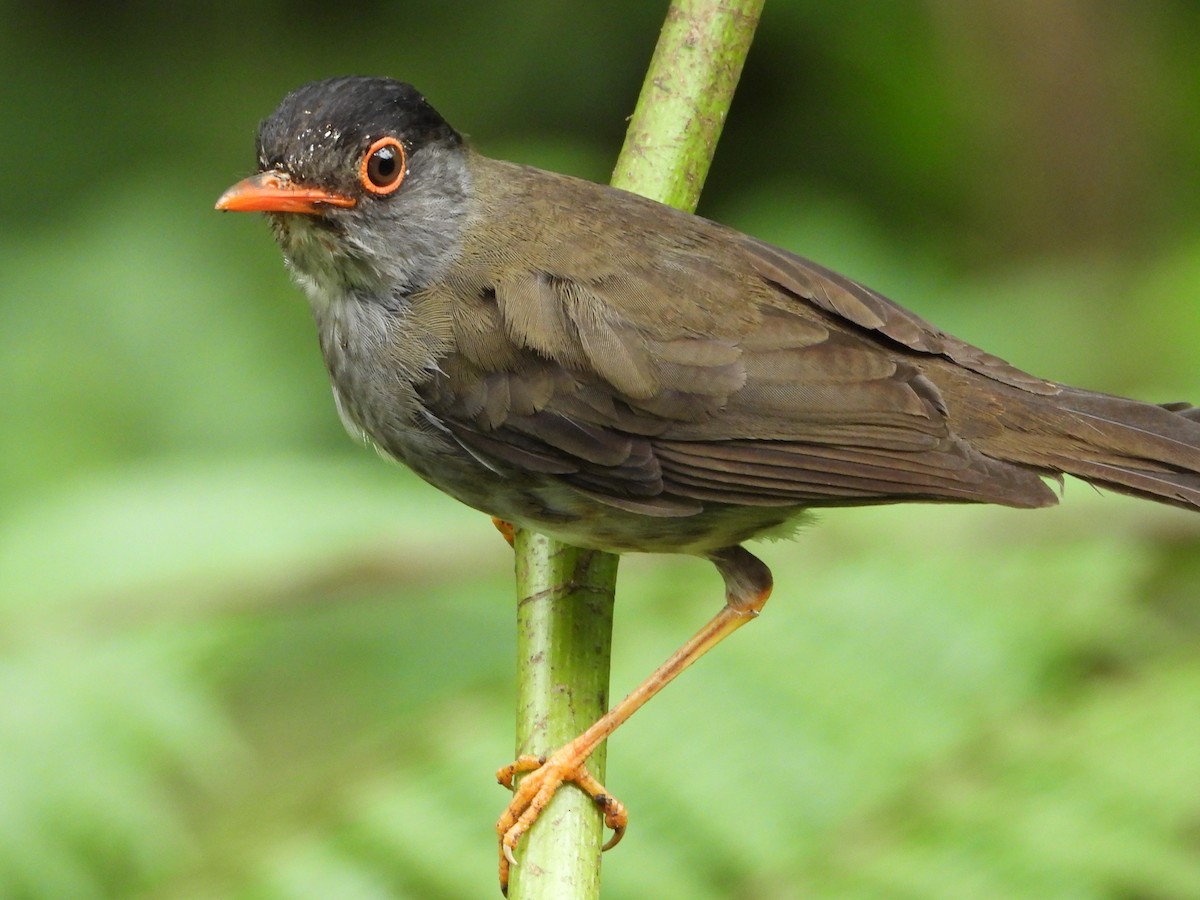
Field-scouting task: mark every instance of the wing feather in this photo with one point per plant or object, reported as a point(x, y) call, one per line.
point(709, 368)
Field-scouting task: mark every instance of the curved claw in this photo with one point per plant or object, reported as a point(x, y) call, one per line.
point(543, 777)
point(616, 817)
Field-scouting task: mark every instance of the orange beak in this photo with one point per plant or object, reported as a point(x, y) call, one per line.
point(275, 192)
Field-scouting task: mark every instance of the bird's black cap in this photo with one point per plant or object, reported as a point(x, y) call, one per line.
point(344, 115)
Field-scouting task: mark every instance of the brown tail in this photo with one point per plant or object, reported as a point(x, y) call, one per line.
point(1135, 448)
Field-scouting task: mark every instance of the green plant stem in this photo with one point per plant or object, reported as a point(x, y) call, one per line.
point(685, 98)
point(564, 641)
point(564, 617)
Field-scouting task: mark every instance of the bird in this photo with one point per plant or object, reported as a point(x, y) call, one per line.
point(623, 376)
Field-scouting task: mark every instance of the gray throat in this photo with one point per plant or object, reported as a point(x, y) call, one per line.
point(361, 270)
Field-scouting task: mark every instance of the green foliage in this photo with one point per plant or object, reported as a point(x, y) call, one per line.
point(242, 658)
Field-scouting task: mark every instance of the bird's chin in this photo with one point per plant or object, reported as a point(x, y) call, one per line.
point(293, 231)
point(319, 255)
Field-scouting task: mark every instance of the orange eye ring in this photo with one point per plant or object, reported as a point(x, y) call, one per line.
point(383, 166)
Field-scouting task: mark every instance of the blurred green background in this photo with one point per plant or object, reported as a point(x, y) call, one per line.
point(241, 657)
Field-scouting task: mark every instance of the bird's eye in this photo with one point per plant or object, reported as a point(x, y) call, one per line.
point(383, 167)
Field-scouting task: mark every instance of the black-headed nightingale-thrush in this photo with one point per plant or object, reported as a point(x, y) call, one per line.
point(623, 376)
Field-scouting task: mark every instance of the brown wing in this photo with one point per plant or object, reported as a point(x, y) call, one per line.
point(869, 309)
point(677, 363)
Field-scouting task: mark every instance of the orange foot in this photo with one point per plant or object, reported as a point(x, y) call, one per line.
point(506, 529)
point(545, 776)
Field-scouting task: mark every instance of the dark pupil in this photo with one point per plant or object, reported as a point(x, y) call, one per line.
point(382, 167)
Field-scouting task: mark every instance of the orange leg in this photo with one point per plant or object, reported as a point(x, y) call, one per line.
point(747, 587)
